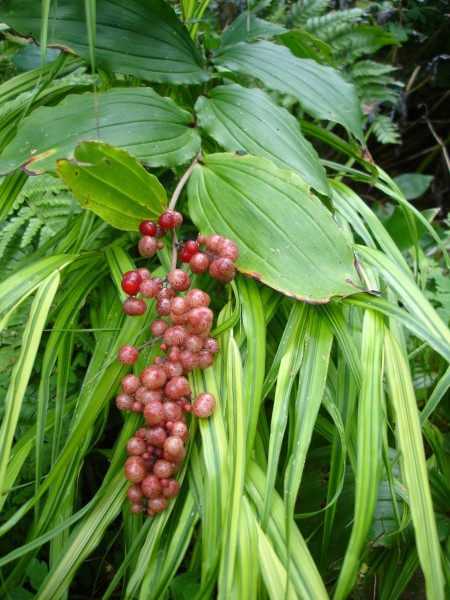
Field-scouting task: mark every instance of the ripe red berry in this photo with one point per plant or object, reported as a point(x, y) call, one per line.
point(134, 307)
point(177, 387)
point(131, 281)
point(148, 228)
point(191, 247)
point(167, 220)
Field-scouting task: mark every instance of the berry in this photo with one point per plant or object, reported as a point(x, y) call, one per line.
point(147, 246)
point(149, 288)
point(158, 327)
point(154, 413)
point(136, 446)
point(127, 355)
point(199, 263)
point(134, 307)
point(201, 239)
point(167, 220)
point(179, 280)
point(153, 378)
point(151, 486)
point(177, 387)
point(131, 282)
point(135, 469)
point(148, 228)
point(134, 493)
point(212, 243)
point(204, 406)
point(124, 401)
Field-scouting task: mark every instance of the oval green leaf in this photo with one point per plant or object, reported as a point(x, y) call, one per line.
point(143, 38)
point(287, 238)
point(321, 90)
point(113, 185)
point(152, 128)
point(247, 119)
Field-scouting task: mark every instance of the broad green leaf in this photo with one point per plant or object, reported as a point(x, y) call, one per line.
point(152, 128)
point(413, 185)
point(287, 238)
point(143, 38)
point(113, 185)
point(248, 119)
point(247, 27)
point(321, 91)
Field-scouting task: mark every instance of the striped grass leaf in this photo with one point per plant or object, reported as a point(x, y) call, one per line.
point(399, 315)
point(410, 444)
point(16, 288)
point(164, 548)
point(288, 369)
point(411, 296)
point(303, 573)
point(85, 538)
point(368, 451)
point(347, 201)
point(254, 325)
point(237, 425)
point(312, 377)
point(84, 280)
point(216, 486)
point(23, 367)
point(21, 450)
point(274, 574)
point(436, 396)
point(247, 585)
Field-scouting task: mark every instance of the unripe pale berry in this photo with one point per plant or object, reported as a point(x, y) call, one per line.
point(171, 489)
point(163, 469)
point(177, 387)
point(204, 405)
point(127, 355)
point(154, 413)
point(195, 298)
point(134, 307)
point(134, 493)
point(179, 280)
point(130, 383)
point(199, 263)
point(135, 469)
point(147, 246)
point(151, 486)
point(153, 377)
point(124, 401)
point(136, 446)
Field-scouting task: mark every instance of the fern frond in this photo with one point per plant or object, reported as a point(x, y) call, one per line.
point(10, 228)
point(385, 130)
point(326, 26)
point(370, 68)
point(306, 9)
point(32, 228)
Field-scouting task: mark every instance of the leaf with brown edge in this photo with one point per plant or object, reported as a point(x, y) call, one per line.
point(287, 238)
point(112, 184)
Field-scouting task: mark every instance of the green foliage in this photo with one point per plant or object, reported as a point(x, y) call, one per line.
point(324, 470)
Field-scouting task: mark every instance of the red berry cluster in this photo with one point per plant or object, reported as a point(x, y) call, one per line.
point(162, 392)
